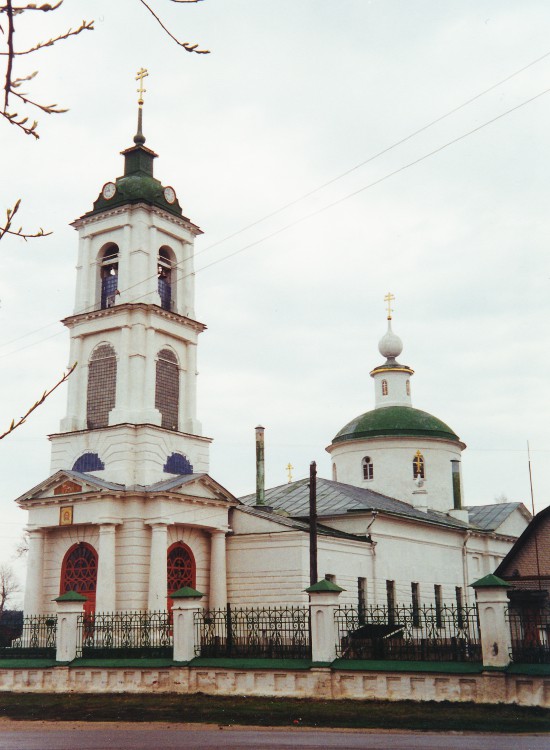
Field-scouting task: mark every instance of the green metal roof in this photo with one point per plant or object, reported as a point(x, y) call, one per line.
point(395, 421)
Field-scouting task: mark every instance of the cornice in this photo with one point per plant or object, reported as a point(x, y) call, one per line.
point(160, 312)
point(89, 219)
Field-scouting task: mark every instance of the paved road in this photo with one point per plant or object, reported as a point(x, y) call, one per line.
point(174, 738)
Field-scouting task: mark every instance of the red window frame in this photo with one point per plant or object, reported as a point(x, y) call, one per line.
point(81, 580)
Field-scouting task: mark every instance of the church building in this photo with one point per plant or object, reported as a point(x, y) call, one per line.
point(130, 513)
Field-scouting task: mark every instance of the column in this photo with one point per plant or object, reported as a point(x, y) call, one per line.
point(323, 600)
point(218, 570)
point(75, 417)
point(183, 612)
point(191, 423)
point(106, 569)
point(123, 386)
point(158, 575)
point(494, 630)
point(33, 589)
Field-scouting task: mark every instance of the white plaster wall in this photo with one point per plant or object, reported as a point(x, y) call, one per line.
point(397, 388)
point(131, 454)
point(393, 473)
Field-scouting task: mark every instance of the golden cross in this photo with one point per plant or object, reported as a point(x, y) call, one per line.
point(418, 461)
point(389, 299)
point(289, 471)
point(141, 74)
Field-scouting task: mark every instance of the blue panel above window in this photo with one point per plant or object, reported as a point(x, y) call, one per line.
point(177, 464)
point(89, 462)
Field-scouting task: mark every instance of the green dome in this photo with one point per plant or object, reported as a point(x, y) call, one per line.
point(395, 421)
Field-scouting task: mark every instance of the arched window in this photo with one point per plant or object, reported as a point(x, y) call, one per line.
point(181, 567)
point(165, 276)
point(177, 463)
point(384, 387)
point(167, 388)
point(101, 395)
point(79, 573)
point(368, 468)
point(418, 465)
point(109, 275)
point(88, 462)
point(334, 473)
point(408, 387)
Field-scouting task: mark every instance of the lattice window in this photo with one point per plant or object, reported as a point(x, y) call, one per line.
point(167, 388)
point(101, 386)
point(384, 387)
point(177, 463)
point(368, 468)
point(101, 395)
point(181, 567)
point(79, 573)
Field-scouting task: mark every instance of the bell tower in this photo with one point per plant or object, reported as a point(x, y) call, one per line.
point(131, 408)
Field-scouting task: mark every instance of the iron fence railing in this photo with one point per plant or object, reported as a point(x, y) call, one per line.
point(125, 635)
point(408, 633)
point(31, 636)
point(530, 633)
point(253, 632)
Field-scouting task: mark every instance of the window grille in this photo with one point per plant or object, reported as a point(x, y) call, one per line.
point(167, 389)
point(418, 466)
point(101, 395)
point(384, 387)
point(368, 468)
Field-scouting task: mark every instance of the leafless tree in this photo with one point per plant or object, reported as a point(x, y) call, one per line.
point(9, 586)
point(11, 14)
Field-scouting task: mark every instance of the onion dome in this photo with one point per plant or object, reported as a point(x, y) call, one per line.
point(390, 345)
point(396, 421)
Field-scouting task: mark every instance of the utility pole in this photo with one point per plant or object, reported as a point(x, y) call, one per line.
point(313, 523)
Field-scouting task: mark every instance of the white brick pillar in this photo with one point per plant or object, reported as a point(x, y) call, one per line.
point(218, 570)
point(106, 569)
point(492, 603)
point(323, 600)
point(185, 605)
point(158, 571)
point(69, 607)
point(33, 589)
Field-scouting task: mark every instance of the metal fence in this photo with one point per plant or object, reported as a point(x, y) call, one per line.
point(33, 636)
point(253, 632)
point(125, 635)
point(408, 633)
point(530, 632)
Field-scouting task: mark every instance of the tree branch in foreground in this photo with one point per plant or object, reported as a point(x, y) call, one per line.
point(14, 425)
point(6, 229)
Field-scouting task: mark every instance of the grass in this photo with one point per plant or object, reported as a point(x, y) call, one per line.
point(440, 716)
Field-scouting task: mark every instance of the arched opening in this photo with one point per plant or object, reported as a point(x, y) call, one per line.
point(368, 468)
point(181, 569)
point(408, 387)
point(88, 462)
point(108, 270)
point(418, 466)
point(167, 388)
point(384, 387)
point(79, 573)
point(101, 395)
point(166, 273)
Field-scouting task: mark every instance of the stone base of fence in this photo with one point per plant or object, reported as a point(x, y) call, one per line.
point(322, 682)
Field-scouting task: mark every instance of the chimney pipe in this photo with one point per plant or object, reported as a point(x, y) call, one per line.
point(457, 489)
point(260, 466)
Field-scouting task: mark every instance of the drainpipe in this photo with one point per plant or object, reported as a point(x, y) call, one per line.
point(465, 567)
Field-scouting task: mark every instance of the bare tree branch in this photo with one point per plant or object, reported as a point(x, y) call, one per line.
point(14, 425)
point(8, 586)
point(185, 45)
point(6, 229)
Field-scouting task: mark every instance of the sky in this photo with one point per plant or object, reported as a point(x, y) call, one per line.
point(300, 146)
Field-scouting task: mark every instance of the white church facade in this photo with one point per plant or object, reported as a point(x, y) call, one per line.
point(130, 513)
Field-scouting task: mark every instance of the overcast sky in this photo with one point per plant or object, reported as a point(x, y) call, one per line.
point(294, 94)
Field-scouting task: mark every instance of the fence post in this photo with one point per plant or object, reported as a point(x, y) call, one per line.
point(492, 603)
point(69, 606)
point(323, 599)
point(183, 611)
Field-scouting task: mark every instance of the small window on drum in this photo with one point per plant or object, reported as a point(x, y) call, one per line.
point(418, 466)
point(384, 387)
point(368, 468)
point(408, 387)
point(109, 276)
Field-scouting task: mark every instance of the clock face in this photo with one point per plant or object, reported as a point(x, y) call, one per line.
point(169, 195)
point(109, 189)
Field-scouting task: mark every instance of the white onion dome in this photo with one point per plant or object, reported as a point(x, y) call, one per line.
point(390, 345)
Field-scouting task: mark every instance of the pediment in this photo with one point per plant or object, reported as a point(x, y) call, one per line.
point(65, 484)
point(200, 486)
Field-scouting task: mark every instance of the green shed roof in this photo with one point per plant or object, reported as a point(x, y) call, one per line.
point(395, 421)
